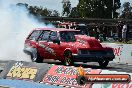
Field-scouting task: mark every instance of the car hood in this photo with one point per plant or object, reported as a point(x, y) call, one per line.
point(77, 45)
point(84, 41)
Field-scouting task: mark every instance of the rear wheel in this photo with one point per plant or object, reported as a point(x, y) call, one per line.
point(35, 57)
point(68, 60)
point(103, 64)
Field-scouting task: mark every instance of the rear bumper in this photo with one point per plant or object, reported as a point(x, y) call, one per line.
point(92, 58)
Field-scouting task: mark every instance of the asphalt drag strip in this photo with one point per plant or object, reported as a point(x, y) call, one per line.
point(112, 66)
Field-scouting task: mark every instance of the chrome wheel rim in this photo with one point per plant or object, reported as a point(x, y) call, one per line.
point(67, 61)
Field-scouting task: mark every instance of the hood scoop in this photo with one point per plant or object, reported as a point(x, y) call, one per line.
point(91, 41)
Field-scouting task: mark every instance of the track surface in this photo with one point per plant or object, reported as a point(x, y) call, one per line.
point(111, 67)
point(94, 65)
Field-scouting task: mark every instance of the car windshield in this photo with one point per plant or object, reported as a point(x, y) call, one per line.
point(68, 36)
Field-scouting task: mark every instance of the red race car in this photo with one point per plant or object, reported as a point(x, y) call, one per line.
point(66, 45)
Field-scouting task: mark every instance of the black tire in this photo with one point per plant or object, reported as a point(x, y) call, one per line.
point(36, 58)
point(68, 59)
point(103, 64)
point(81, 80)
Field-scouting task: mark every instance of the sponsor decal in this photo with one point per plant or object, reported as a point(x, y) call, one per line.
point(48, 49)
point(125, 78)
point(64, 75)
point(83, 77)
point(127, 85)
point(18, 71)
point(118, 51)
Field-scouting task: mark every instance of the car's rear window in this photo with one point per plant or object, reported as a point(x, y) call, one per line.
point(35, 34)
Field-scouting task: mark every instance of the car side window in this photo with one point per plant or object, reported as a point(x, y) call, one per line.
point(35, 34)
point(53, 36)
point(67, 36)
point(44, 36)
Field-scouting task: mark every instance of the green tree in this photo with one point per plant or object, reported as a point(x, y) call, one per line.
point(22, 5)
point(55, 13)
point(46, 12)
point(98, 8)
point(74, 12)
point(66, 7)
point(112, 7)
point(91, 8)
point(31, 10)
point(40, 11)
point(83, 8)
point(34, 10)
point(117, 6)
point(127, 11)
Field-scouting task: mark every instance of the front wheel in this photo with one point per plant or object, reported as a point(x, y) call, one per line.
point(103, 64)
point(68, 59)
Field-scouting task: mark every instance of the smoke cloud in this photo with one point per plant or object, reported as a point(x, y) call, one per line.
point(15, 25)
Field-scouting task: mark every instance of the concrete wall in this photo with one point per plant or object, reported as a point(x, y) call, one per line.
point(123, 52)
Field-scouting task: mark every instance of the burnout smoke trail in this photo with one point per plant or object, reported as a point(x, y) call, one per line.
point(15, 25)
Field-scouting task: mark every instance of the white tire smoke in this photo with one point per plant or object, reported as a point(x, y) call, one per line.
point(15, 25)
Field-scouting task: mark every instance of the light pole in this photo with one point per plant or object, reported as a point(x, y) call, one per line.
point(113, 10)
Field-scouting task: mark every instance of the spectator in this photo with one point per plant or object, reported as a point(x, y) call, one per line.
point(93, 33)
point(97, 33)
point(127, 33)
point(124, 31)
point(119, 29)
point(104, 36)
point(72, 26)
point(67, 27)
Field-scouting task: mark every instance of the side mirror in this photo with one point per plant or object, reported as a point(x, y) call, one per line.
point(56, 41)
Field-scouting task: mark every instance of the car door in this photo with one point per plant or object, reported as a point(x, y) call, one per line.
point(31, 41)
point(43, 44)
point(54, 48)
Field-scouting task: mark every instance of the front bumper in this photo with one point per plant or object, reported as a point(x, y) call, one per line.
point(92, 58)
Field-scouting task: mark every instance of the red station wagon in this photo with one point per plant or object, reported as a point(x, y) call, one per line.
point(66, 45)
